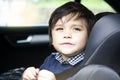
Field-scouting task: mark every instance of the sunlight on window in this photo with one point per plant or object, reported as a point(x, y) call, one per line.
point(37, 12)
point(97, 6)
point(27, 12)
point(18, 12)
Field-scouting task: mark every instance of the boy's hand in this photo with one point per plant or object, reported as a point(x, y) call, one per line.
point(46, 75)
point(30, 73)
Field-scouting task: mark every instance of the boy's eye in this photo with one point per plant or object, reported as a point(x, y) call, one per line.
point(59, 29)
point(77, 29)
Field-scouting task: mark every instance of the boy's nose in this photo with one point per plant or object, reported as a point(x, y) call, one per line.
point(67, 35)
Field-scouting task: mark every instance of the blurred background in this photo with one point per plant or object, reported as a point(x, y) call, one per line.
point(37, 12)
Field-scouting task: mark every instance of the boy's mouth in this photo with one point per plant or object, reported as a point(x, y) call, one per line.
point(66, 43)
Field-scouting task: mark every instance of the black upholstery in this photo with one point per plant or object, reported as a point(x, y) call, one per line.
point(96, 72)
point(103, 46)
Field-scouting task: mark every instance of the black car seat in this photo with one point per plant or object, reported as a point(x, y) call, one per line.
point(96, 72)
point(101, 14)
point(103, 46)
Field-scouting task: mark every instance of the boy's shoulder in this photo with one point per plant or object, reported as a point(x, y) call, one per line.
point(51, 56)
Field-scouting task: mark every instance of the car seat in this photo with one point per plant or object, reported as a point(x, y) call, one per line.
point(103, 45)
point(96, 72)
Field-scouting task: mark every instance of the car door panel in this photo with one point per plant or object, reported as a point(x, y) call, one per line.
point(23, 46)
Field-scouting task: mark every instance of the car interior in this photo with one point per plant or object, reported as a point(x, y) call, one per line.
point(103, 46)
point(96, 72)
point(23, 45)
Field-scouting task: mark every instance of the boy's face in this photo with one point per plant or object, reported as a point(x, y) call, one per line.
point(69, 36)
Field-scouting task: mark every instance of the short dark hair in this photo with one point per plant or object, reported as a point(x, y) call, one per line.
point(71, 8)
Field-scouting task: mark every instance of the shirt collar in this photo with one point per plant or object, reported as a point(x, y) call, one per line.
point(72, 60)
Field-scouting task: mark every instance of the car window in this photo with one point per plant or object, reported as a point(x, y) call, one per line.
point(98, 6)
point(14, 13)
point(27, 12)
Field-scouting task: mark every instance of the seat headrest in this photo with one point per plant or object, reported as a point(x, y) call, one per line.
point(96, 72)
point(103, 45)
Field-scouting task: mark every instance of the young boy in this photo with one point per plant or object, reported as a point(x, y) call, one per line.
point(69, 28)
